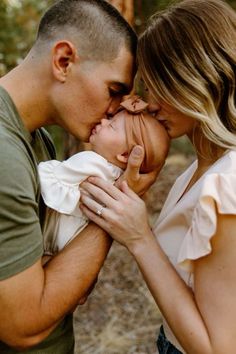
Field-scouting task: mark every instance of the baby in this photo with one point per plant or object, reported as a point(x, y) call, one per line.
point(111, 143)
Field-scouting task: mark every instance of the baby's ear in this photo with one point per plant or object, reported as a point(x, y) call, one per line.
point(123, 157)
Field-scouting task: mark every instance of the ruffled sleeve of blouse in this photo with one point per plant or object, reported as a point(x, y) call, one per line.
point(59, 181)
point(217, 196)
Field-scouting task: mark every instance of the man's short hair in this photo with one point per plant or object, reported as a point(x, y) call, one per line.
point(94, 26)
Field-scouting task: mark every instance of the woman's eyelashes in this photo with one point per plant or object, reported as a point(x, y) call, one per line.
point(112, 125)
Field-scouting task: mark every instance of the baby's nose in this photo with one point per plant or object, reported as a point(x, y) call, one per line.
point(104, 121)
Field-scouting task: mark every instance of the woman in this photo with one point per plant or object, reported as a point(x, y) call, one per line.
point(187, 59)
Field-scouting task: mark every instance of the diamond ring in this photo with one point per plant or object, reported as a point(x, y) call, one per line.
point(100, 210)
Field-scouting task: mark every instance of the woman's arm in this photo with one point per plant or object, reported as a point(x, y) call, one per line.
point(204, 322)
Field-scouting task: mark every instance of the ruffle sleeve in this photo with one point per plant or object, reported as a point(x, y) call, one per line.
point(217, 196)
point(59, 181)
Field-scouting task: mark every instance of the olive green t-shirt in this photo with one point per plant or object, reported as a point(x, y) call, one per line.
point(22, 210)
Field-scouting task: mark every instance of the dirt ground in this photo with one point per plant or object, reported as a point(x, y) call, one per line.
point(120, 316)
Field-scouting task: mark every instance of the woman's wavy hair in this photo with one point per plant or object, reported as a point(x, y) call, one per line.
point(187, 58)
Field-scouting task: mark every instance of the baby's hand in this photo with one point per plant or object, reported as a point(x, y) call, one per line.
point(139, 183)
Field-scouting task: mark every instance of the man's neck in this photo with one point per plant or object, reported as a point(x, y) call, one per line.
point(28, 95)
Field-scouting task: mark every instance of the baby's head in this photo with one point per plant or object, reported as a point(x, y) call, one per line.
point(132, 125)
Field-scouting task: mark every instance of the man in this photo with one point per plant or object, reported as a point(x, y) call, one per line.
point(80, 66)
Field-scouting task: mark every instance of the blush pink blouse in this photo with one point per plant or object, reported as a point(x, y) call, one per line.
point(187, 223)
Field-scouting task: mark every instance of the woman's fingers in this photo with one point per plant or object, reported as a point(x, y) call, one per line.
point(102, 190)
point(94, 217)
point(93, 205)
point(124, 218)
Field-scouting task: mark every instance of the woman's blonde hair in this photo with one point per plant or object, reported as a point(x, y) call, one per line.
point(187, 58)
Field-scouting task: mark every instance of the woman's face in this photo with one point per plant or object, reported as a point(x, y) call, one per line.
point(176, 123)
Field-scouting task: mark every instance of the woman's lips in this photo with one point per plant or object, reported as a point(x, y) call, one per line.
point(164, 123)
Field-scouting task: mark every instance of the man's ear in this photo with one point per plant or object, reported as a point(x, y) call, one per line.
point(63, 56)
point(123, 157)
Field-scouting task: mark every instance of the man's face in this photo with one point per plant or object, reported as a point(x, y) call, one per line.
point(92, 91)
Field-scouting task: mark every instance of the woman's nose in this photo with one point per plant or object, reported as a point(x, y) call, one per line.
point(153, 107)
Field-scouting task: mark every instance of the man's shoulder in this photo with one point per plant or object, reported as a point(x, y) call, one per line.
point(16, 162)
point(11, 143)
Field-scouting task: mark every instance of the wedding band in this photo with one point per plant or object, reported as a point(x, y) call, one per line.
point(100, 210)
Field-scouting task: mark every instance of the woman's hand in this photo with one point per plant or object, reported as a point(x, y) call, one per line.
point(139, 183)
point(124, 214)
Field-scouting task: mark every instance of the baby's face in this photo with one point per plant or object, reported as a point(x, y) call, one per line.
point(108, 139)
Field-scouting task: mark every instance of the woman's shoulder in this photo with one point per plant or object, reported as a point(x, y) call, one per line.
point(226, 164)
point(217, 195)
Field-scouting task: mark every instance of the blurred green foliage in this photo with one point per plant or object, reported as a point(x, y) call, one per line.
point(18, 27)
point(19, 21)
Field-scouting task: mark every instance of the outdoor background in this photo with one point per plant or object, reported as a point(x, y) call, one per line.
point(120, 316)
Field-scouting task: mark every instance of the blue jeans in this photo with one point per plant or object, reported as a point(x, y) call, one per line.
point(164, 346)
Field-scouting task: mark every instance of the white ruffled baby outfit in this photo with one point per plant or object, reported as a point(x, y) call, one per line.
point(60, 189)
point(186, 224)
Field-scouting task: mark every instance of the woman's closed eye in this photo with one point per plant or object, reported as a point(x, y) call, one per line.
point(111, 125)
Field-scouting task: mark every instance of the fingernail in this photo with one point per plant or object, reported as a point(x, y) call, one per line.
point(137, 151)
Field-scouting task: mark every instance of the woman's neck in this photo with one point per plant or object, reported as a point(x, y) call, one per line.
point(206, 151)
point(207, 154)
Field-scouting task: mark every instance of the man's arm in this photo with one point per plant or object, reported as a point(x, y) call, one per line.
point(35, 300)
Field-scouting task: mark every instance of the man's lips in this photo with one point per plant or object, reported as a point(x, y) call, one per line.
point(93, 131)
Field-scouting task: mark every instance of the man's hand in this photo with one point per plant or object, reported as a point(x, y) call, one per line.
point(139, 183)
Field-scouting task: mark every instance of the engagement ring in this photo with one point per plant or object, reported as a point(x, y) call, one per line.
point(100, 210)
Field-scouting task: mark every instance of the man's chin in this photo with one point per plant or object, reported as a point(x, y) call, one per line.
point(84, 138)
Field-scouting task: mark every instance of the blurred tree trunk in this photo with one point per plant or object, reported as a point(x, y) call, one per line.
point(126, 8)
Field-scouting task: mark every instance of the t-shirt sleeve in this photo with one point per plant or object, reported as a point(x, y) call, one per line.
point(217, 196)
point(20, 231)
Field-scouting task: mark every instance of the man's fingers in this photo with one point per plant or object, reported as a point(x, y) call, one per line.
point(135, 161)
point(150, 178)
point(124, 187)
